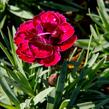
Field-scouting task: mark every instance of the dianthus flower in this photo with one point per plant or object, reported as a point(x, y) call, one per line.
point(42, 38)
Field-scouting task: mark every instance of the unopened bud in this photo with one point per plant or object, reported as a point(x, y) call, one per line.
point(53, 79)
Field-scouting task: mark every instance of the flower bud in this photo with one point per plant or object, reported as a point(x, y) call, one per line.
point(53, 79)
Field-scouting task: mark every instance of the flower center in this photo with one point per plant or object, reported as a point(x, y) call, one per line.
point(42, 34)
point(49, 38)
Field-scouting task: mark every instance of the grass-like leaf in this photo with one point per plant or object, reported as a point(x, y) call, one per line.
point(21, 81)
point(2, 22)
point(103, 14)
point(16, 60)
point(8, 91)
point(59, 6)
point(105, 101)
point(64, 104)
point(73, 97)
point(60, 86)
point(20, 13)
point(7, 106)
point(40, 96)
point(7, 53)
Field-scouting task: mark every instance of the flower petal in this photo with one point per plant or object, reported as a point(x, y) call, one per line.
point(27, 29)
point(36, 20)
point(25, 53)
point(52, 60)
point(50, 20)
point(39, 29)
point(49, 17)
point(19, 38)
point(25, 57)
point(67, 44)
point(39, 48)
point(61, 17)
point(40, 52)
point(28, 25)
point(66, 32)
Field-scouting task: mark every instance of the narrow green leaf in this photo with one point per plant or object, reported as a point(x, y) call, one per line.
point(8, 91)
point(7, 53)
point(7, 106)
point(20, 81)
point(72, 54)
point(101, 47)
point(106, 36)
point(70, 2)
point(35, 66)
point(50, 100)
point(87, 55)
point(20, 13)
point(105, 73)
point(17, 84)
point(94, 34)
point(83, 43)
point(25, 83)
point(16, 60)
point(61, 7)
point(60, 86)
point(86, 105)
point(95, 18)
point(95, 68)
point(2, 22)
point(26, 104)
point(73, 97)
point(64, 104)
point(5, 39)
point(43, 72)
point(74, 71)
point(3, 5)
point(98, 106)
point(3, 97)
point(103, 14)
point(11, 42)
point(93, 59)
point(97, 92)
point(40, 96)
point(13, 31)
point(99, 64)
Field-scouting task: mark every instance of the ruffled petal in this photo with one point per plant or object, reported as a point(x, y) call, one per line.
point(67, 44)
point(19, 38)
point(28, 25)
point(62, 19)
point(26, 30)
point(66, 32)
point(23, 46)
point(39, 29)
point(25, 57)
point(49, 17)
point(40, 49)
point(50, 61)
point(50, 20)
point(25, 53)
point(41, 52)
point(36, 20)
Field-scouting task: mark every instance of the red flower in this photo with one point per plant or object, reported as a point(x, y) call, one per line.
point(43, 38)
